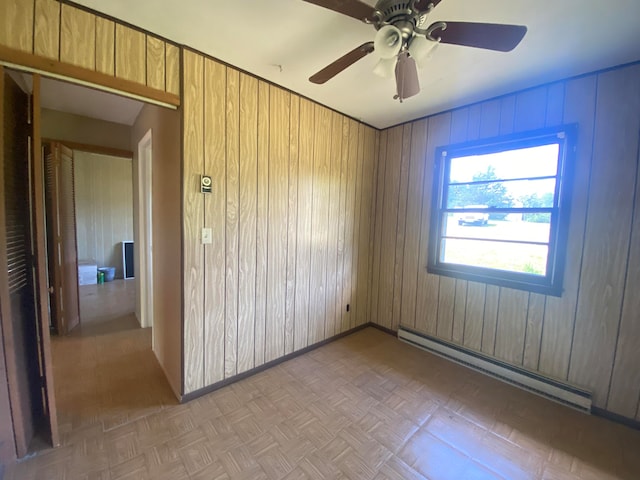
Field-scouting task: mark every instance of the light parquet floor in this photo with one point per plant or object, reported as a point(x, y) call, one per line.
point(363, 407)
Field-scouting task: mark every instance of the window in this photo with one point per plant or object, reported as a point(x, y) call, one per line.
point(500, 210)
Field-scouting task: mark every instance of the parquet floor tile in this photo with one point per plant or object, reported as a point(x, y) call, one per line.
point(363, 407)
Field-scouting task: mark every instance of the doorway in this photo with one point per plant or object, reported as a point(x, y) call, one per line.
point(104, 378)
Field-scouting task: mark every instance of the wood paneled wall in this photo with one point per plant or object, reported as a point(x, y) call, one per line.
point(291, 213)
point(58, 31)
point(589, 336)
point(104, 207)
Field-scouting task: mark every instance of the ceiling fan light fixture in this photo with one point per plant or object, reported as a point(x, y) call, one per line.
point(388, 42)
point(421, 49)
point(385, 67)
point(407, 82)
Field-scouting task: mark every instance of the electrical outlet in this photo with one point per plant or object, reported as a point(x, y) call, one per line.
point(206, 236)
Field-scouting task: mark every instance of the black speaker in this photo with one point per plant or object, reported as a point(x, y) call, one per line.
point(127, 259)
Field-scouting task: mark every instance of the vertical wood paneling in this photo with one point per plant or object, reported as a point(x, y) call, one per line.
point(232, 178)
point(351, 165)
point(214, 275)
point(193, 214)
point(535, 315)
point(531, 109)
point(342, 316)
point(401, 223)
point(305, 196)
point(105, 46)
point(355, 248)
point(625, 382)
point(155, 63)
point(172, 69)
point(130, 54)
point(279, 107)
point(372, 226)
point(355, 252)
point(292, 232)
point(366, 221)
point(591, 323)
point(61, 32)
point(474, 315)
point(607, 233)
point(16, 25)
point(78, 37)
point(393, 163)
point(46, 37)
point(262, 229)
point(512, 321)
point(559, 316)
point(490, 113)
point(333, 308)
point(491, 301)
point(320, 216)
point(446, 302)
point(555, 104)
point(375, 281)
point(459, 311)
point(248, 215)
point(428, 290)
point(415, 201)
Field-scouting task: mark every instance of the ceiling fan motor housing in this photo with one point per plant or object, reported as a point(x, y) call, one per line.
point(396, 12)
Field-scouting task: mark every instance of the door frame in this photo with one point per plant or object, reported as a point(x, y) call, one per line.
point(41, 275)
point(144, 247)
point(40, 280)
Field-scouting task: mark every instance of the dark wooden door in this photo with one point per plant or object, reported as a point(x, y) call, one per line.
point(18, 298)
point(61, 234)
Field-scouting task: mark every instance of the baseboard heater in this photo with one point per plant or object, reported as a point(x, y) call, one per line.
point(552, 389)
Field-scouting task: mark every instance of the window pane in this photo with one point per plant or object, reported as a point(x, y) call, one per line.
point(509, 194)
point(519, 227)
point(513, 257)
point(540, 161)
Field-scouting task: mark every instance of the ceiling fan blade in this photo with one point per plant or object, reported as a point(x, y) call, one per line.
point(352, 8)
point(331, 70)
point(490, 36)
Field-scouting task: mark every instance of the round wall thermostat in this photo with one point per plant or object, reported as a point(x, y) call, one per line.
point(206, 181)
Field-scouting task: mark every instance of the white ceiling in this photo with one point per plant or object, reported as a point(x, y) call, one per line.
point(87, 102)
point(287, 41)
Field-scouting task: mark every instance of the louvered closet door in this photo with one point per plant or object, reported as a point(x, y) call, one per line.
point(17, 297)
point(63, 249)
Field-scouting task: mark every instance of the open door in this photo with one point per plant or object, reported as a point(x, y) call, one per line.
point(24, 337)
point(61, 235)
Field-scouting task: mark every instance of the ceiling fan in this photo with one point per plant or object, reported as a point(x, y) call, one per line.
point(402, 43)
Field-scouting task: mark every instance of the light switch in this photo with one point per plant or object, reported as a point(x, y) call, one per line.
point(206, 236)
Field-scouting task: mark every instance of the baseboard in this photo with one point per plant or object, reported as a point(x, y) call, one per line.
point(555, 390)
point(614, 417)
point(228, 381)
point(388, 331)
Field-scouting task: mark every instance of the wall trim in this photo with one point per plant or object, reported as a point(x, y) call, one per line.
point(249, 373)
point(388, 331)
point(29, 62)
point(615, 417)
point(85, 147)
